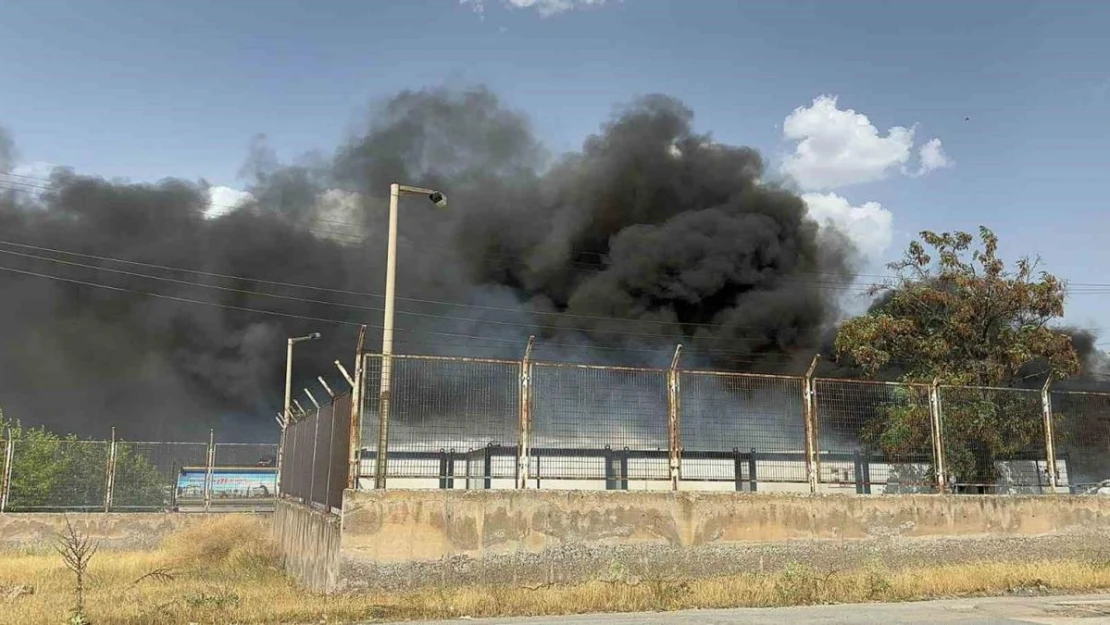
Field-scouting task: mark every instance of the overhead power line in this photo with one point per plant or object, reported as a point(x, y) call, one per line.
point(751, 358)
point(320, 288)
point(526, 325)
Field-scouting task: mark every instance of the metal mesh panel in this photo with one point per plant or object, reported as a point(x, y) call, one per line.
point(146, 473)
point(338, 466)
point(466, 408)
point(315, 447)
point(242, 475)
point(875, 434)
point(321, 455)
point(296, 468)
point(587, 420)
point(53, 475)
point(750, 423)
point(994, 439)
point(1082, 427)
point(368, 425)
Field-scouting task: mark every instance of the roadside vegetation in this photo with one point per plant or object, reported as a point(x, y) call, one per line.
point(228, 571)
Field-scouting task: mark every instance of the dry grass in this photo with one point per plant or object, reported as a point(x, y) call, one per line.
point(225, 571)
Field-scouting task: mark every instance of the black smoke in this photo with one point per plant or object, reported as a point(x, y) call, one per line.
point(651, 235)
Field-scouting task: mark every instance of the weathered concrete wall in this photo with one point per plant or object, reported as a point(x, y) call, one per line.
point(405, 539)
point(309, 541)
point(114, 531)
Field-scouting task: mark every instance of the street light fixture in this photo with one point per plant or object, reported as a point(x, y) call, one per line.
point(287, 414)
point(395, 191)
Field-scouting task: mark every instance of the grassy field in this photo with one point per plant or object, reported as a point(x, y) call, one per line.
point(205, 575)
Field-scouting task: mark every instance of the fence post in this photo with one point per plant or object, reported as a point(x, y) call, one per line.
point(209, 462)
point(525, 427)
point(1049, 434)
point(809, 412)
point(936, 423)
point(110, 472)
point(6, 478)
point(315, 442)
point(752, 480)
point(674, 429)
point(357, 386)
point(281, 453)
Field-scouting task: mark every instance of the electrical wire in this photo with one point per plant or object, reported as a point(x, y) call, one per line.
point(345, 305)
point(337, 291)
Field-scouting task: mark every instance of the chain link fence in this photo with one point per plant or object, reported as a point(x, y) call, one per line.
point(466, 423)
point(744, 429)
point(875, 436)
point(451, 420)
point(40, 472)
point(1081, 423)
point(474, 423)
point(596, 423)
point(146, 474)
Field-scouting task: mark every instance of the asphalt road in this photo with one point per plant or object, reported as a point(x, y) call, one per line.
point(1080, 610)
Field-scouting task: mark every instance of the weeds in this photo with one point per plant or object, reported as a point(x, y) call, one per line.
point(220, 598)
point(876, 581)
point(797, 585)
point(224, 571)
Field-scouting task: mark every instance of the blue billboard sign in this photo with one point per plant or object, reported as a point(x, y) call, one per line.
point(233, 483)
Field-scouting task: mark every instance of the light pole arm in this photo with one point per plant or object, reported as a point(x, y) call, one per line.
point(404, 188)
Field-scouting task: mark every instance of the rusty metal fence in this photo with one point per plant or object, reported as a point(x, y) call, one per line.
point(486, 423)
point(40, 472)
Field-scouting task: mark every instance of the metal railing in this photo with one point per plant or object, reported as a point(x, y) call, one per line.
point(490, 423)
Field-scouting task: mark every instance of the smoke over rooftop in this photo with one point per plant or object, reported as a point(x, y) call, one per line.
point(651, 234)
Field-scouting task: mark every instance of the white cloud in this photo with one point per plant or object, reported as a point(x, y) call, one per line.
point(869, 226)
point(545, 8)
point(841, 147)
point(222, 200)
point(933, 157)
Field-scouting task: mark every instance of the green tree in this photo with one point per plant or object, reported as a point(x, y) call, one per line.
point(960, 316)
point(50, 472)
point(34, 472)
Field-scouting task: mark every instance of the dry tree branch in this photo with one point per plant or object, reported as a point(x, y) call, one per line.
point(76, 550)
point(162, 574)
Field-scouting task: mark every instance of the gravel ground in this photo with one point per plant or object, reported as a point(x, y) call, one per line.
point(1080, 610)
point(575, 564)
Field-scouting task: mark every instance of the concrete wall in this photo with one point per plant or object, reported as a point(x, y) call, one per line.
point(309, 541)
point(405, 539)
point(114, 531)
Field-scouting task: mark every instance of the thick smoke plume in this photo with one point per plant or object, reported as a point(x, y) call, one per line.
point(652, 234)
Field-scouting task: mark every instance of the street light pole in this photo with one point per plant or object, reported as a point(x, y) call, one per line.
point(395, 192)
point(286, 414)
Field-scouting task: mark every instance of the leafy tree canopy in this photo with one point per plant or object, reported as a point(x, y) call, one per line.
point(52, 472)
point(958, 314)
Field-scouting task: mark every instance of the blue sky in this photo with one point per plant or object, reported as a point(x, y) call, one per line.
point(154, 89)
